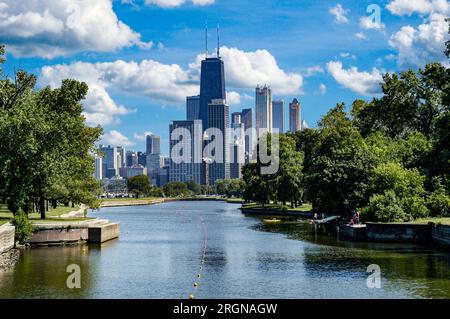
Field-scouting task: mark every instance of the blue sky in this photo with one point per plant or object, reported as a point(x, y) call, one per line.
point(141, 57)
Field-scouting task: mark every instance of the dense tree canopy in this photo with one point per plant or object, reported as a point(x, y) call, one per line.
point(45, 145)
point(388, 157)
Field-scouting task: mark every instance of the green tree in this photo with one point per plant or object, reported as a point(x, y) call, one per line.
point(290, 175)
point(176, 189)
point(194, 187)
point(139, 185)
point(340, 170)
point(45, 145)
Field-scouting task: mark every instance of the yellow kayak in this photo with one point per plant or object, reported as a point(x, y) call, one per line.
point(271, 221)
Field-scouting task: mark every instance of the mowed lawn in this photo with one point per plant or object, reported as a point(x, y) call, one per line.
point(52, 215)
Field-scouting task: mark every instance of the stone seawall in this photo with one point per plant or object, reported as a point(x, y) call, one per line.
point(7, 232)
point(387, 232)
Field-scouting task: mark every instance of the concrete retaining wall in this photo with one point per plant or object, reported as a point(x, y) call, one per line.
point(102, 233)
point(353, 233)
point(45, 235)
point(440, 235)
point(386, 232)
point(7, 232)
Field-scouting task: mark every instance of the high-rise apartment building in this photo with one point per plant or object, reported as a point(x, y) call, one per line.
point(185, 151)
point(98, 173)
point(110, 161)
point(153, 144)
point(247, 121)
point(278, 115)
point(294, 116)
point(193, 108)
point(219, 118)
point(132, 159)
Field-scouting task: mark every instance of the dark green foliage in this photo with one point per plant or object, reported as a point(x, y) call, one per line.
point(139, 185)
point(45, 145)
point(24, 228)
point(176, 189)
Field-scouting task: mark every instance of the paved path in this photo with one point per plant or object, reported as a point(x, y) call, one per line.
point(75, 214)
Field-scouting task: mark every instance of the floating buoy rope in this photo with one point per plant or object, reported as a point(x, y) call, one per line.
point(202, 262)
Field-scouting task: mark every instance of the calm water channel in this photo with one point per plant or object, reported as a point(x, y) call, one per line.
point(160, 251)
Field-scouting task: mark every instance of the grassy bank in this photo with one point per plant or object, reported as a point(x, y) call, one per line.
point(52, 215)
point(436, 220)
point(305, 208)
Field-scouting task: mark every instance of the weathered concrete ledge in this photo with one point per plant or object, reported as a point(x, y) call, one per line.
point(7, 233)
point(401, 232)
point(58, 234)
point(62, 233)
point(353, 232)
point(102, 233)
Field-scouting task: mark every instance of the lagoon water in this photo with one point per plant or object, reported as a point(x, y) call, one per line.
point(159, 255)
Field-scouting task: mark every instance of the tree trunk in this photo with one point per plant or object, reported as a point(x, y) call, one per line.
point(42, 207)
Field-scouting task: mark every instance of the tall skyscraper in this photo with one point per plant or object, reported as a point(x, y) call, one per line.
point(193, 108)
point(263, 108)
point(219, 118)
point(189, 169)
point(294, 116)
point(247, 121)
point(278, 115)
point(212, 86)
point(153, 144)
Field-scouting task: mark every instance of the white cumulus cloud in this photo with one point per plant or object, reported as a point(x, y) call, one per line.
point(363, 83)
point(116, 138)
point(409, 7)
point(247, 69)
point(421, 45)
point(339, 13)
point(59, 28)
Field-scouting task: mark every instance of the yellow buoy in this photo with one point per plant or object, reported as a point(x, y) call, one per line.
point(195, 285)
point(191, 296)
point(199, 275)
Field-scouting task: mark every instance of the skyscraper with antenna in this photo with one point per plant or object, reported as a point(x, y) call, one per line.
point(212, 80)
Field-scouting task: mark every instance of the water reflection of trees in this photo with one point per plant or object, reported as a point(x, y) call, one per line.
point(422, 271)
point(42, 273)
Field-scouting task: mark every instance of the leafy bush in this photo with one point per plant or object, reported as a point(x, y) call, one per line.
point(415, 207)
point(24, 228)
point(439, 203)
point(386, 208)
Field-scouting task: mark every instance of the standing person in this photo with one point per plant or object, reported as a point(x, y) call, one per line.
point(357, 218)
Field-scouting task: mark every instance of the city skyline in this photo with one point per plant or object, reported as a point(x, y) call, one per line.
point(141, 74)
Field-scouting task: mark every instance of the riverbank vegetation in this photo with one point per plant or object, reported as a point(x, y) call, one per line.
point(388, 157)
point(45, 145)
